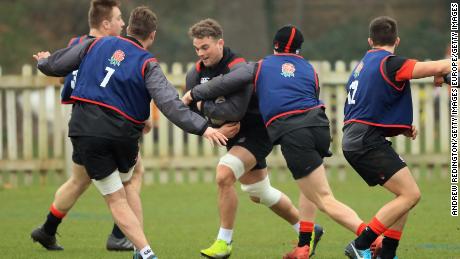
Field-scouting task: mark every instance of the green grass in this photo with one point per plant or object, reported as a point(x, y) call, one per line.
point(180, 219)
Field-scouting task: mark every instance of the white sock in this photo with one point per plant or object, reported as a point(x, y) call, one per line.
point(225, 234)
point(296, 227)
point(146, 252)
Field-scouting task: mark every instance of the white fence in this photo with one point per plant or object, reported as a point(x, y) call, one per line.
point(33, 132)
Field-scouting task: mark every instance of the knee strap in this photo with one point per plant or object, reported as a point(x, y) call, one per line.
point(234, 163)
point(268, 195)
point(109, 184)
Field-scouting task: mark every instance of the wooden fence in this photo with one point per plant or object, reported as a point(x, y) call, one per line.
point(34, 143)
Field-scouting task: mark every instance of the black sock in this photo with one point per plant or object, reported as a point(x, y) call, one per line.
point(389, 246)
point(366, 238)
point(116, 231)
point(51, 224)
point(304, 238)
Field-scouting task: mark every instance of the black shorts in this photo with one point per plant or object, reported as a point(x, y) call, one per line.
point(377, 164)
point(102, 156)
point(256, 141)
point(304, 149)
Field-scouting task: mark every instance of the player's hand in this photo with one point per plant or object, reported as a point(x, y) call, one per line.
point(41, 54)
point(214, 136)
point(229, 129)
point(187, 98)
point(438, 81)
point(411, 133)
point(148, 125)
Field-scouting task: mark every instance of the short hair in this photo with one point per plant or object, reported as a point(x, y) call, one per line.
point(383, 31)
point(101, 10)
point(206, 28)
point(142, 22)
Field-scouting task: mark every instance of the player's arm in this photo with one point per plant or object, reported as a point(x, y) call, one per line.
point(431, 68)
point(231, 108)
point(63, 61)
point(399, 69)
point(166, 98)
point(71, 43)
point(226, 84)
point(228, 129)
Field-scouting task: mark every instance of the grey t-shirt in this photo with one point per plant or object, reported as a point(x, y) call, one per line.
point(358, 136)
point(313, 118)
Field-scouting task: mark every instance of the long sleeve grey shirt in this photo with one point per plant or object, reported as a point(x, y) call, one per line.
point(240, 79)
point(160, 89)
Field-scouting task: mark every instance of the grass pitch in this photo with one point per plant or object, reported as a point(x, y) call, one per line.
point(181, 219)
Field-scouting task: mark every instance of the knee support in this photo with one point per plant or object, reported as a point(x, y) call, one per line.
point(268, 195)
point(109, 184)
point(234, 163)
